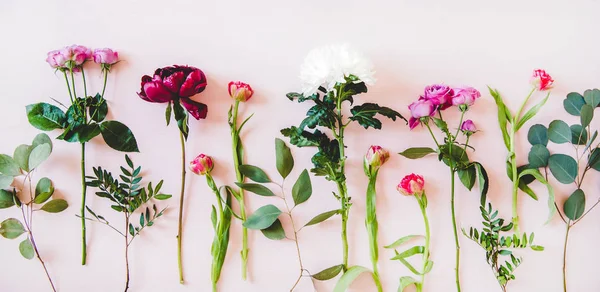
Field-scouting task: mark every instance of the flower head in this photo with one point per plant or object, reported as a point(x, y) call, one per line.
point(105, 56)
point(240, 91)
point(202, 165)
point(56, 59)
point(465, 96)
point(439, 94)
point(79, 54)
point(326, 66)
point(176, 83)
point(420, 109)
point(71, 57)
point(541, 80)
point(468, 127)
point(411, 184)
point(376, 156)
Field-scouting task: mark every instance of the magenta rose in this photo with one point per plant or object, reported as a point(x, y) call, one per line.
point(176, 83)
point(105, 56)
point(412, 184)
point(439, 94)
point(465, 96)
point(419, 109)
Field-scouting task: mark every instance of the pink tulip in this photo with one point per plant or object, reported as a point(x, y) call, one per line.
point(376, 156)
point(411, 184)
point(202, 165)
point(240, 91)
point(105, 56)
point(541, 80)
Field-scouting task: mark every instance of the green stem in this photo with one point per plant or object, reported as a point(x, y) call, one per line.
point(432, 135)
point(73, 84)
point(181, 201)
point(423, 206)
point(457, 244)
point(126, 252)
point(84, 83)
point(215, 273)
point(342, 188)
point(372, 227)
point(462, 117)
point(237, 161)
point(564, 272)
point(104, 86)
point(82, 211)
point(68, 87)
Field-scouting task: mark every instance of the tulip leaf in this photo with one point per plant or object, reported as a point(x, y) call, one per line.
point(38, 155)
point(328, 273)
point(532, 112)
point(43, 190)
point(284, 158)
point(275, 231)
point(573, 103)
point(302, 189)
point(403, 240)
point(575, 205)
point(538, 134)
point(254, 173)
point(504, 116)
point(365, 115)
point(11, 228)
point(559, 132)
point(262, 218)
point(563, 168)
point(26, 249)
point(46, 117)
point(406, 281)
point(417, 152)
point(322, 217)
point(8, 166)
point(592, 97)
point(118, 136)
point(7, 199)
point(538, 156)
point(55, 206)
point(348, 277)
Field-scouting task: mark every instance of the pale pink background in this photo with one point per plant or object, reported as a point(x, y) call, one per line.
point(412, 43)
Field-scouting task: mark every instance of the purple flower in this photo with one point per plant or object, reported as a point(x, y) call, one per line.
point(439, 94)
point(465, 96)
point(468, 127)
point(419, 109)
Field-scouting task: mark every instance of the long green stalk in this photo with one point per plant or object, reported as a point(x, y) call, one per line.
point(456, 242)
point(423, 206)
point(237, 161)
point(372, 227)
point(82, 210)
point(181, 201)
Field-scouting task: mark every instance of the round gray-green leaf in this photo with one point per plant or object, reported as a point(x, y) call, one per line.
point(11, 228)
point(594, 160)
point(262, 218)
point(592, 97)
point(559, 132)
point(302, 189)
point(38, 155)
point(256, 188)
point(328, 273)
point(575, 205)
point(573, 103)
point(55, 206)
point(538, 134)
point(587, 114)
point(26, 249)
point(6, 199)
point(275, 231)
point(40, 139)
point(8, 166)
point(21, 156)
point(284, 159)
point(5, 181)
point(43, 190)
point(579, 135)
point(563, 168)
point(538, 156)
point(254, 173)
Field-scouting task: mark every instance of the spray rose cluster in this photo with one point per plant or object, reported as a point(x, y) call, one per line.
point(74, 56)
point(439, 97)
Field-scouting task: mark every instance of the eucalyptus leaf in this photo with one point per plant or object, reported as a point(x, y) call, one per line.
point(559, 132)
point(7, 199)
point(587, 114)
point(40, 139)
point(328, 273)
point(574, 206)
point(348, 277)
point(573, 103)
point(538, 134)
point(322, 217)
point(417, 152)
point(302, 189)
point(8, 166)
point(256, 188)
point(5, 181)
point(254, 173)
point(118, 136)
point(38, 155)
point(592, 97)
point(21, 156)
point(563, 168)
point(262, 218)
point(284, 158)
point(11, 228)
point(579, 135)
point(26, 249)
point(538, 156)
point(43, 190)
point(594, 160)
point(55, 206)
point(275, 231)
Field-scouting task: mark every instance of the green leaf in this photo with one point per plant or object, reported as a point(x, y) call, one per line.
point(46, 117)
point(503, 116)
point(162, 197)
point(575, 205)
point(328, 273)
point(579, 135)
point(43, 190)
point(483, 180)
point(168, 112)
point(417, 152)
point(551, 198)
point(409, 252)
point(302, 189)
point(254, 173)
point(406, 281)
point(262, 218)
point(38, 155)
point(275, 231)
point(256, 188)
point(538, 134)
point(118, 136)
point(538, 156)
point(403, 240)
point(21, 156)
point(537, 248)
point(8, 166)
point(7, 199)
point(532, 112)
point(573, 103)
point(5, 181)
point(563, 168)
point(365, 115)
point(587, 114)
point(55, 206)
point(594, 160)
point(284, 158)
point(40, 139)
point(467, 176)
point(11, 228)
point(26, 249)
point(348, 277)
point(322, 217)
point(319, 115)
point(559, 132)
point(592, 97)
point(181, 116)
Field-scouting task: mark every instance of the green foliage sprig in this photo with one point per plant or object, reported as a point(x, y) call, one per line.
point(497, 246)
point(23, 163)
point(128, 197)
point(330, 159)
point(568, 169)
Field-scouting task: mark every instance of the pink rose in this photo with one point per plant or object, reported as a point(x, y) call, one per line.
point(419, 109)
point(411, 184)
point(465, 96)
point(541, 80)
point(56, 59)
point(376, 156)
point(202, 165)
point(468, 127)
point(439, 94)
point(105, 56)
point(240, 91)
point(80, 54)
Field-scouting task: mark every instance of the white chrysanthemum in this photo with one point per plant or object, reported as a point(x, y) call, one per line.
point(326, 66)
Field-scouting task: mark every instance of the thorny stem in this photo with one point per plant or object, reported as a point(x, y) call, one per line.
point(235, 136)
point(181, 201)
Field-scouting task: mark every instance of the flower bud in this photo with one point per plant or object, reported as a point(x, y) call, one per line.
point(240, 91)
point(468, 127)
point(541, 80)
point(202, 165)
point(411, 184)
point(376, 156)
point(105, 56)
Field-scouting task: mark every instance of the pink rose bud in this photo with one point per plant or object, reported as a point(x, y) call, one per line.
point(105, 56)
point(465, 96)
point(468, 127)
point(419, 109)
point(541, 80)
point(376, 156)
point(240, 91)
point(56, 59)
point(202, 165)
point(411, 184)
